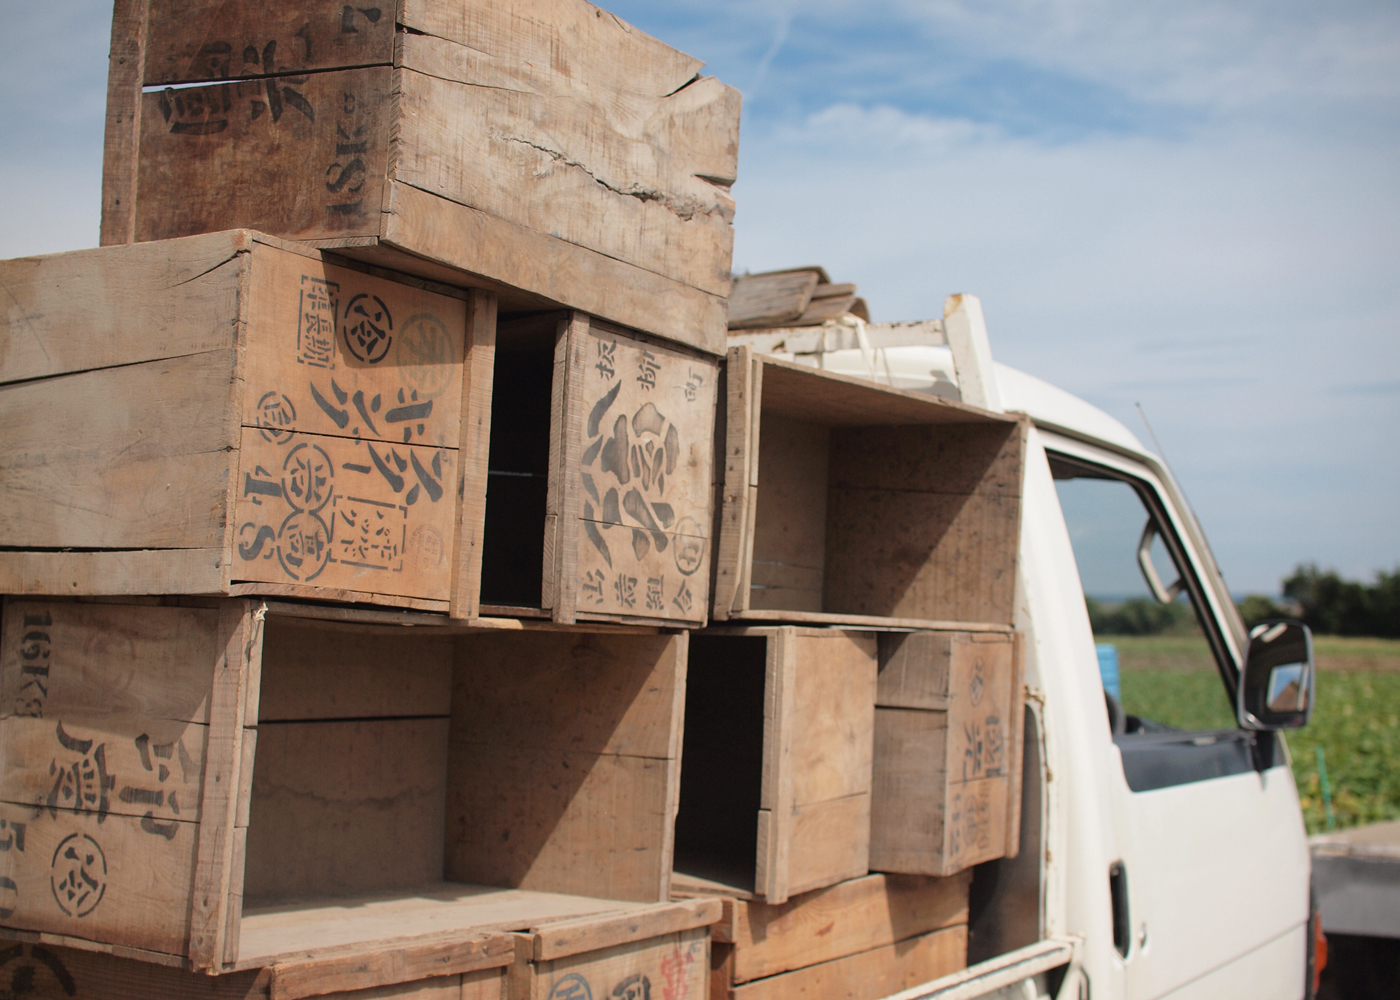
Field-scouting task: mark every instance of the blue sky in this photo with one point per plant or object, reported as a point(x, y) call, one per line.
point(1191, 205)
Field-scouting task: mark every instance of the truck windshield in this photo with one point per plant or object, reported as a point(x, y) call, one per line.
point(1154, 658)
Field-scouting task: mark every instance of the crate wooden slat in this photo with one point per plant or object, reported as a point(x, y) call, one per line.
point(56, 971)
point(869, 975)
point(249, 790)
point(661, 950)
point(756, 940)
point(778, 740)
point(551, 154)
point(948, 724)
point(845, 501)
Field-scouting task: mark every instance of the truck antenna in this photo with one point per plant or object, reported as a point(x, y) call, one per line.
point(1143, 413)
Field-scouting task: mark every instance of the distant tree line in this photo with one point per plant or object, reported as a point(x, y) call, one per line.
point(1334, 606)
point(1327, 603)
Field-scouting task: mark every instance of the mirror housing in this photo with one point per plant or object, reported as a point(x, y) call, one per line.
point(1279, 681)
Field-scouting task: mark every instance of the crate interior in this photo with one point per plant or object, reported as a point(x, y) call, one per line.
point(720, 794)
point(517, 479)
point(872, 502)
point(407, 780)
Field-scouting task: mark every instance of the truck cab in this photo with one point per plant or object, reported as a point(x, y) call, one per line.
point(1163, 843)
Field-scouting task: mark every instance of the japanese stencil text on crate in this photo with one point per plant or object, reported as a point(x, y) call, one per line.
point(635, 445)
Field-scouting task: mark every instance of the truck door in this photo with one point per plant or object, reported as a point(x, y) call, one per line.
point(1209, 895)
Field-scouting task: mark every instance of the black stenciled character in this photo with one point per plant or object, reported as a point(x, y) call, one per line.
point(35, 647)
point(159, 798)
point(606, 358)
point(647, 367)
point(655, 593)
point(81, 785)
point(634, 987)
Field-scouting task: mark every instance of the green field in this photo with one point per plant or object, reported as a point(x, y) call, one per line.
point(1356, 720)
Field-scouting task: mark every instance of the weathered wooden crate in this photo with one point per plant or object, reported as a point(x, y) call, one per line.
point(231, 786)
point(661, 951)
point(775, 798)
point(845, 502)
point(546, 149)
point(232, 414)
point(873, 936)
point(620, 477)
point(948, 729)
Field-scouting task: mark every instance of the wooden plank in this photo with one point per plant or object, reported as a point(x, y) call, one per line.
point(561, 582)
point(106, 878)
point(529, 39)
point(478, 370)
point(345, 513)
point(219, 40)
point(48, 972)
point(498, 250)
point(789, 533)
point(341, 808)
point(734, 502)
point(234, 916)
point(315, 593)
point(405, 965)
point(869, 974)
point(616, 172)
point(133, 457)
point(239, 647)
point(337, 351)
point(99, 662)
point(768, 300)
point(123, 125)
point(832, 714)
point(909, 802)
point(674, 965)
point(160, 571)
point(134, 765)
point(1015, 746)
point(265, 138)
point(869, 912)
point(776, 790)
point(555, 821)
point(829, 842)
point(867, 621)
point(644, 428)
point(314, 670)
point(802, 392)
point(586, 934)
point(433, 912)
point(922, 555)
point(957, 459)
point(95, 308)
point(620, 694)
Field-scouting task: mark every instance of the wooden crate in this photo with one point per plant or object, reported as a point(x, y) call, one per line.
point(541, 148)
point(948, 724)
point(845, 502)
point(235, 786)
point(662, 951)
point(620, 475)
point(756, 946)
point(231, 414)
point(775, 798)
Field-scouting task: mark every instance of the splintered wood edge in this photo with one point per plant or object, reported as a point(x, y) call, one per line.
point(586, 934)
point(97, 947)
point(478, 372)
point(389, 962)
point(866, 622)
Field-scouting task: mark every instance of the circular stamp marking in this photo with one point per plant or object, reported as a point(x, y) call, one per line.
point(690, 548)
point(426, 357)
point(79, 874)
point(369, 328)
point(276, 417)
point(306, 478)
point(303, 545)
point(34, 970)
point(427, 548)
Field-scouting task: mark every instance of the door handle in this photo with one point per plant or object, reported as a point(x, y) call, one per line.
point(1118, 894)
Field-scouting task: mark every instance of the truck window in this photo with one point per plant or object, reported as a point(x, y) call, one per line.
point(1154, 658)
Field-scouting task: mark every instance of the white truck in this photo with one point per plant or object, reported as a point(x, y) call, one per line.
point(1155, 861)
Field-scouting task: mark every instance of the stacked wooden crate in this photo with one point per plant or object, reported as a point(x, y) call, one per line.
point(361, 491)
point(859, 708)
point(366, 499)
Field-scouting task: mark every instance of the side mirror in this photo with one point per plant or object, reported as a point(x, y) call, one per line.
point(1278, 682)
